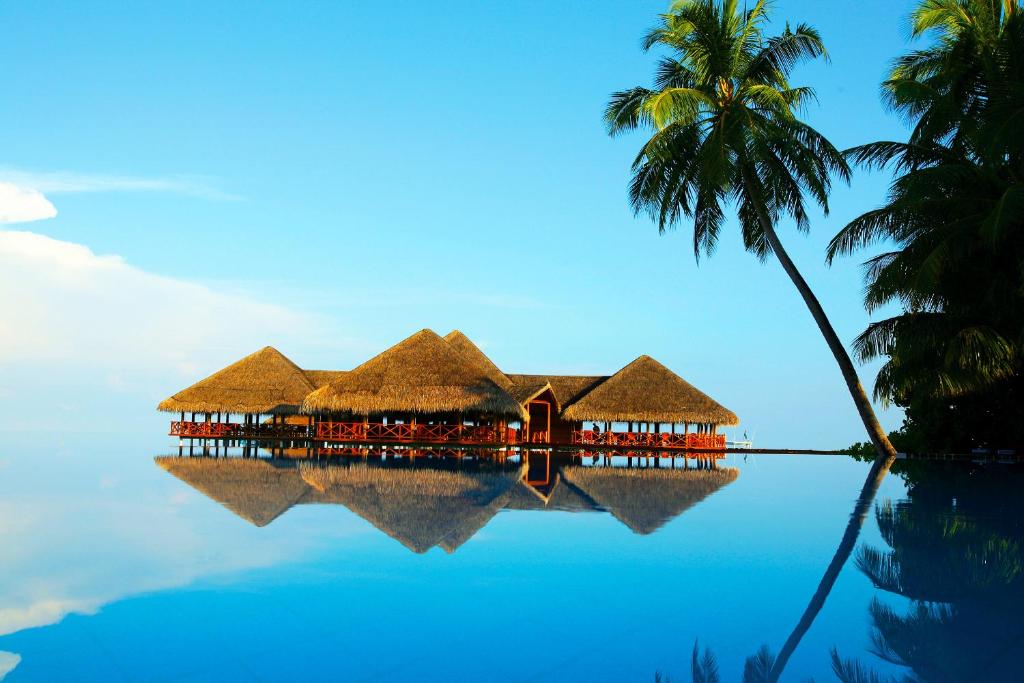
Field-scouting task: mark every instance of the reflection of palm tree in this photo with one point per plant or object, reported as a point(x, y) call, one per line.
point(766, 668)
point(962, 565)
point(704, 668)
point(964, 576)
point(878, 471)
point(937, 557)
point(852, 671)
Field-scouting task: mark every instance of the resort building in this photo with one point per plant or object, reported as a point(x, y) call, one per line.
point(429, 389)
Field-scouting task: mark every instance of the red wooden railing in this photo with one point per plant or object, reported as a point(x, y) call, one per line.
point(203, 429)
point(348, 431)
point(341, 431)
point(481, 434)
point(231, 430)
point(650, 439)
point(539, 437)
point(420, 433)
point(439, 433)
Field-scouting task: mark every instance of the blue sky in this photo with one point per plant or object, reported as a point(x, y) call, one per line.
point(331, 177)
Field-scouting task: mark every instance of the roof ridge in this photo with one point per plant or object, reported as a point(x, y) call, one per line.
point(423, 373)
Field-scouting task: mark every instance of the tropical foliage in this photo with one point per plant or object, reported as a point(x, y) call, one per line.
point(725, 134)
point(953, 224)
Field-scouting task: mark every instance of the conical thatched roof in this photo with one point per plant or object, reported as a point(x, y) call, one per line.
point(418, 507)
point(421, 374)
point(263, 382)
point(644, 499)
point(466, 347)
point(647, 391)
point(252, 488)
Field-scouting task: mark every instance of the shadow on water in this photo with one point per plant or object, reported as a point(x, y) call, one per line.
point(955, 556)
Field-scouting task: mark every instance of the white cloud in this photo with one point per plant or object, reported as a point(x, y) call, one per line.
point(92, 336)
point(23, 204)
point(54, 182)
point(61, 301)
point(8, 662)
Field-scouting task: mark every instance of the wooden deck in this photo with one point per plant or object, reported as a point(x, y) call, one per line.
point(691, 441)
point(374, 432)
point(233, 430)
point(461, 435)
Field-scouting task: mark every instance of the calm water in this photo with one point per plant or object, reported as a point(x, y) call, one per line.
point(118, 567)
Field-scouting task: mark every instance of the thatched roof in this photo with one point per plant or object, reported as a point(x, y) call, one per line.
point(421, 374)
point(252, 488)
point(467, 348)
point(566, 388)
point(321, 378)
point(563, 496)
point(647, 391)
point(423, 508)
point(524, 393)
point(418, 507)
point(263, 382)
point(644, 499)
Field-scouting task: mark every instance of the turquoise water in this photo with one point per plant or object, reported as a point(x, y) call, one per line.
point(115, 569)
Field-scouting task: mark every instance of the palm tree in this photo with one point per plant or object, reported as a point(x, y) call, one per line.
point(956, 210)
point(725, 131)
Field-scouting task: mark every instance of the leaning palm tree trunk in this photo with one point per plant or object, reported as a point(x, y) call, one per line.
point(878, 471)
point(884, 450)
point(884, 459)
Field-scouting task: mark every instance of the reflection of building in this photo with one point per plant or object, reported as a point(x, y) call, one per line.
point(428, 390)
point(446, 503)
point(645, 499)
point(420, 507)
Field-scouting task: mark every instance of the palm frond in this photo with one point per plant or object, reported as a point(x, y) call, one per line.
point(758, 667)
point(704, 669)
point(783, 52)
point(627, 110)
point(852, 671)
point(719, 97)
point(675, 105)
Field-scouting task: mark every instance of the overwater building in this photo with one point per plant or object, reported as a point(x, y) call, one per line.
point(432, 390)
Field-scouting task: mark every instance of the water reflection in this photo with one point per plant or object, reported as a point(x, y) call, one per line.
point(435, 501)
point(950, 582)
point(935, 579)
point(955, 553)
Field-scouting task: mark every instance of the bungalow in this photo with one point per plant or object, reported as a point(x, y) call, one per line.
point(428, 390)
